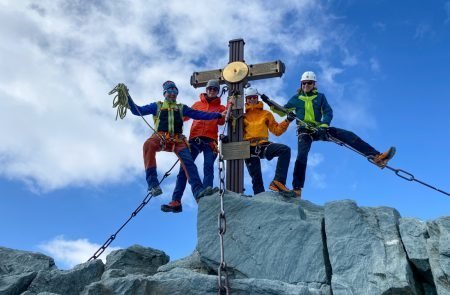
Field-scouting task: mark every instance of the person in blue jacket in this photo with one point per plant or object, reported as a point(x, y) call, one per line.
point(168, 117)
point(312, 107)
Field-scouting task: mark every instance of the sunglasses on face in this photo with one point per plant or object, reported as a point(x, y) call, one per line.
point(307, 83)
point(252, 97)
point(212, 89)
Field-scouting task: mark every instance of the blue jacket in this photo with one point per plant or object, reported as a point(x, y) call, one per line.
point(311, 107)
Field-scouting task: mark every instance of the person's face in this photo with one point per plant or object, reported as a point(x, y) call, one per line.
point(252, 99)
point(212, 92)
point(307, 86)
point(171, 93)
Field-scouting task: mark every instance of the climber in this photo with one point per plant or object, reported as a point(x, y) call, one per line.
point(311, 107)
point(257, 124)
point(202, 139)
point(168, 118)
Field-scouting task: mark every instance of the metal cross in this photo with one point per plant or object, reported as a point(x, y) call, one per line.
point(236, 75)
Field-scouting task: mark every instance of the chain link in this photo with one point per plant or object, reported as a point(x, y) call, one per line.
point(147, 199)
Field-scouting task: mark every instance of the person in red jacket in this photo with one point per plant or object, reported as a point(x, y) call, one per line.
point(202, 139)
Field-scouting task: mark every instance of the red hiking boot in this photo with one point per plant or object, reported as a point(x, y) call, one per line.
point(277, 186)
point(174, 206)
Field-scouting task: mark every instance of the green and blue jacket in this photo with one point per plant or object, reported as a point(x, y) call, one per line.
point(311, 107)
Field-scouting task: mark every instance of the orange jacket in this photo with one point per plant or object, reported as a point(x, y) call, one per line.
point(207, 128)
point(258, 122)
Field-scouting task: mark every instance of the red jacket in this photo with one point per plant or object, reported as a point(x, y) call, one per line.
point(207, 128)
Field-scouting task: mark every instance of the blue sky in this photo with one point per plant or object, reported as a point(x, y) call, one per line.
point(70, 174)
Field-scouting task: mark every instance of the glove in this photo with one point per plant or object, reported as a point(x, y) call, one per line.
point(266, 99)
point(291, 117)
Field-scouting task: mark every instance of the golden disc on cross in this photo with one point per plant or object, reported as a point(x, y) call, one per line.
point(235, 72)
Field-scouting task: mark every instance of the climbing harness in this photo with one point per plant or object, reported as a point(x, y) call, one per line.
point(399, 172)
point(147, 199)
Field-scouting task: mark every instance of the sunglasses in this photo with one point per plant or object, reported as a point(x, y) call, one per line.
point(212, 89)
point(252, 97)
point(308, 83)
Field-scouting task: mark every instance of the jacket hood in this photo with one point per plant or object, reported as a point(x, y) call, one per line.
point(250, 107)
point(214, 101)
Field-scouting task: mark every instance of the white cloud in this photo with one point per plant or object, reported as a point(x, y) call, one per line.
point(60, 59)
point(68, 253)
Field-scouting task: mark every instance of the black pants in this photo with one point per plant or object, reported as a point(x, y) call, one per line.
point(305, 139)
point(268, 151)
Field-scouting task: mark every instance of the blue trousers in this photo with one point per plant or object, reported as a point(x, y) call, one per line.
point(270, 151)
point(305, 139)
point(198, 145)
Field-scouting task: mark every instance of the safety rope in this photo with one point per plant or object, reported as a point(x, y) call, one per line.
point(121, 102)
point(147, 199)
point(399, 172)
point(222, 274)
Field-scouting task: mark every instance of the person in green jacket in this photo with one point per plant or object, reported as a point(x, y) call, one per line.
point(311, 107)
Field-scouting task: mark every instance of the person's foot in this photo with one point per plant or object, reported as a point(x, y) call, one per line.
point(298, 193)
point(174, 206)
point(277, 186)
point(206, 192)
point(155, 191)
point(382, 159)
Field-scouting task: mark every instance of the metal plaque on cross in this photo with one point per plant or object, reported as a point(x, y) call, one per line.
point(236, 75)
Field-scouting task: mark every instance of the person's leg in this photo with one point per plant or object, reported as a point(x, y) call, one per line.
point(353, 140)
point(361, 146)
point(189, 167)
point(304, 145)
point(180, 185)
point(283, 152)
point(209, 157)
point(254, 169)
point(151, 146)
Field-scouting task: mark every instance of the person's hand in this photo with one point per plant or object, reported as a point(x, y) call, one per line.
point(291, 116)
point(224, 113)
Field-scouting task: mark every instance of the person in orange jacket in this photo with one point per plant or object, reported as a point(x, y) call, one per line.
point(202, 139)
point(257, 124)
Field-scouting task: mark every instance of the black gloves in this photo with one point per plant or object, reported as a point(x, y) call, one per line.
point(291, 117)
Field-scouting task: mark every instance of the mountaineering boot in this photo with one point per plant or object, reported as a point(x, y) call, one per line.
point(277, 186)
point(381, 159)
point(298, 193)
point(174, 206)
point(155, 191)
point(206, 192)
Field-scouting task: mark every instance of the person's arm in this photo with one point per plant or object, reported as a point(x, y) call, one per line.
point(199, 115)
point(327, 113)
point(149, 109)
point(221, 121)
point(275, 127)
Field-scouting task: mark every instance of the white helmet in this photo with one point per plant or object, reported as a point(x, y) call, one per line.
point(309, 76)
point(251, 91)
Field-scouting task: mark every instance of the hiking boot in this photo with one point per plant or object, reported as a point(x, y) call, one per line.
point(381, 160)
point(174, 206)
point(155, 191)
point(277, 186)
point(298, 193)
point(206, 192)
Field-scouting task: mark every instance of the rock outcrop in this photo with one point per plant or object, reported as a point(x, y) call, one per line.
point(272, 245)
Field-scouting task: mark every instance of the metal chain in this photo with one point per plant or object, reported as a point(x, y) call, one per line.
point(147, 199)
point(222, 274)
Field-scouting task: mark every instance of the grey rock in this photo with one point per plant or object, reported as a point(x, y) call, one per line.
point(438, 246)
point(365, 250)
point(267, 237)
point(15, 284)
point(414, 236)
point(67, 282)
point(192, 262)
point(136, 260)
point(19, 262)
